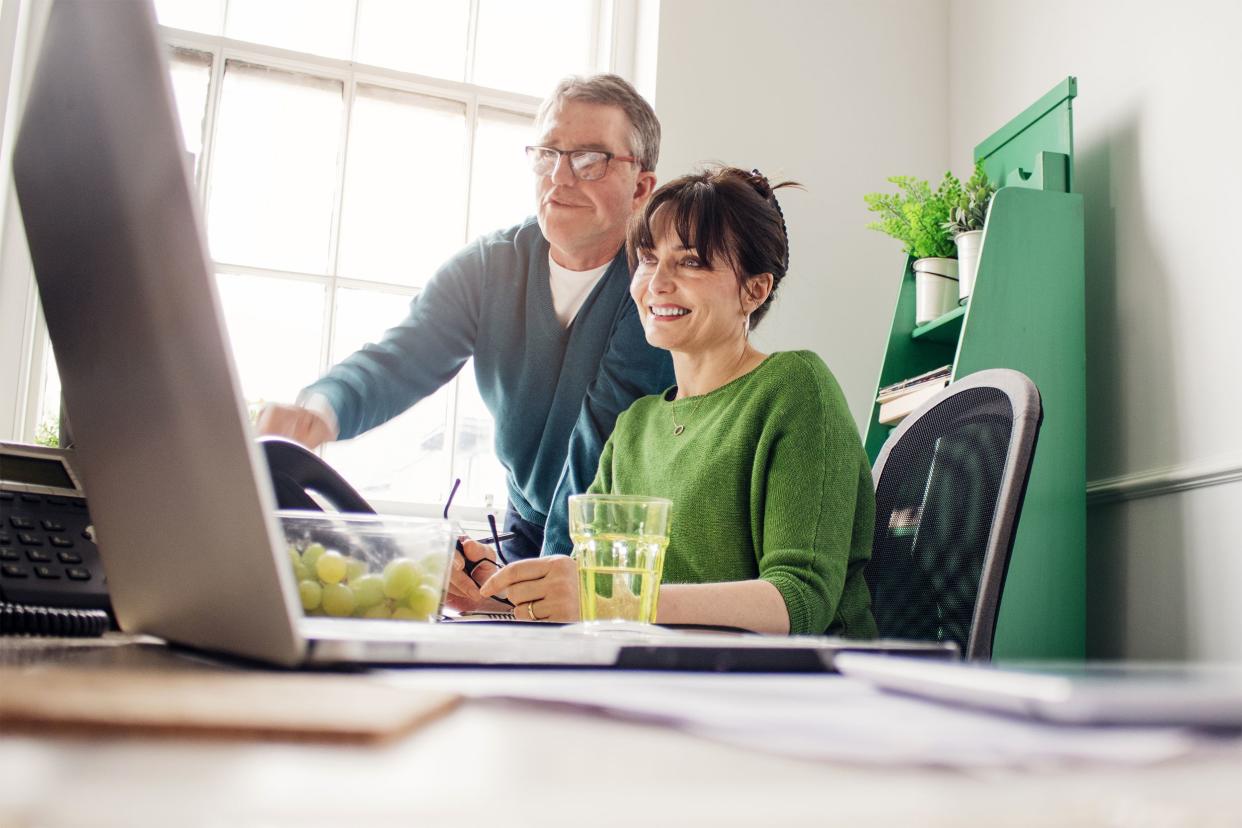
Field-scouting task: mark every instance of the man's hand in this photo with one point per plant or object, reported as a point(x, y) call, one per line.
point(463, 593)
point(541, 589)
point(296, 423)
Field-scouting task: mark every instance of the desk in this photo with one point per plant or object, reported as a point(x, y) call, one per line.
point(519, 764)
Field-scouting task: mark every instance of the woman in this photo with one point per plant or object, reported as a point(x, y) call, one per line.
point(773, 505)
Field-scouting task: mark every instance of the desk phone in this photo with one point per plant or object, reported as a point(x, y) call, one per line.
point(48, 557)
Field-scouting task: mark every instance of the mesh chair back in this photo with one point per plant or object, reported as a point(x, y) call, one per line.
point(949, 487)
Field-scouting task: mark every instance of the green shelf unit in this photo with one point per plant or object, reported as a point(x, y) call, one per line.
point(1026, 312)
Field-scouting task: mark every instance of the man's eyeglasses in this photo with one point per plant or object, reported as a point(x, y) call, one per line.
point(586, 165)
point(468, 565)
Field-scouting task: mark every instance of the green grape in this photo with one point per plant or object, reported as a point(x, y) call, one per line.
point(368, 590)
point(338, 600)
point(424, 601)
point(311, 556)
point(331, 568)
point(405, 614)
point(354, 569)
point(400, 578)
point(311, 594)
point(299, 571)
point(378, 611)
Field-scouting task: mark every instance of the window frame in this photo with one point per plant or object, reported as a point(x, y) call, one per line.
point(615, 47)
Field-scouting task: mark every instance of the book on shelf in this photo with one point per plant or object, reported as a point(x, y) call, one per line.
point(906, 386)
point(895, 409)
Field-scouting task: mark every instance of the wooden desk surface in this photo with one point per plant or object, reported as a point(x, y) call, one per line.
point(520, 764)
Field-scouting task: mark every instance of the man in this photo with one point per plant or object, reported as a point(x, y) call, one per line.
point(542, 307)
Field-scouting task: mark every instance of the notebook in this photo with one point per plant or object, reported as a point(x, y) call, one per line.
point(1105, 693)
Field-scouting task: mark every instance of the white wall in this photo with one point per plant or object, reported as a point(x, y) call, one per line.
point(838, 96)
point(1157, 124)
point(841, 94)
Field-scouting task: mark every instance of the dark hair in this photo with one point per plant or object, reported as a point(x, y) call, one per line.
point(721, 212)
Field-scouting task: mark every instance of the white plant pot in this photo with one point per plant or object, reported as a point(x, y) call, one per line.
point(935, 288)
point(968, 245)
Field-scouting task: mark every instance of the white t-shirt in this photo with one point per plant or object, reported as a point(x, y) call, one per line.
point(570, 288)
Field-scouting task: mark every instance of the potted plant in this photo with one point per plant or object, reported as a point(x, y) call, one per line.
point(965, 225)
point(916, 216)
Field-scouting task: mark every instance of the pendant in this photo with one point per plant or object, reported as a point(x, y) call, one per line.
point(677, 430)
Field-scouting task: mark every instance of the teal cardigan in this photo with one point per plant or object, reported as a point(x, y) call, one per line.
point(554, 393)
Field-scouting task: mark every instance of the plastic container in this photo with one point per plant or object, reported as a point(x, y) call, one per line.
point(369, 566)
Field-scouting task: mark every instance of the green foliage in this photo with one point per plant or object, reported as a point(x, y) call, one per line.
point(916, 216)
point(47, 433)
point(971, 209)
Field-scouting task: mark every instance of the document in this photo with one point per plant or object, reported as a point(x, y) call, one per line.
point(828, 718)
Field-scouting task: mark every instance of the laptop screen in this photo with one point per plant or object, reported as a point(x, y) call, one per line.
point(182, 505)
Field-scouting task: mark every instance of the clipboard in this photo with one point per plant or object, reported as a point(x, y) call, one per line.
point(301, 707)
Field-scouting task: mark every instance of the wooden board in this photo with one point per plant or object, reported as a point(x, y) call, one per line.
point(212, 704)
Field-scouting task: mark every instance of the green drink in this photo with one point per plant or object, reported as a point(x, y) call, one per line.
point(619, 543)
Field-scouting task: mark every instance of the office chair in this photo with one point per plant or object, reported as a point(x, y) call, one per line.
point(950, 481)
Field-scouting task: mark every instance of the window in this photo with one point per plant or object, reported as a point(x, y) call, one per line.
point(343, 150)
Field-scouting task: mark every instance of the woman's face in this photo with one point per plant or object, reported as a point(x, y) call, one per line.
point(683, 305)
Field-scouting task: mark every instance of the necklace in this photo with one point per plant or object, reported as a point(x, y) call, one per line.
point(678, 428)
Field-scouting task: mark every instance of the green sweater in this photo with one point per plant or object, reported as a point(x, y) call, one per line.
point(768, 480)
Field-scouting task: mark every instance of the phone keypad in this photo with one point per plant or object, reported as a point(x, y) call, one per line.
point(47, 551)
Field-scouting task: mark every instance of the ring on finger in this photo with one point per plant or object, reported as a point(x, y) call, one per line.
point(530, 610)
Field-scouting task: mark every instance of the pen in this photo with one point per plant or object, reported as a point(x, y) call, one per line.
point(491, 521)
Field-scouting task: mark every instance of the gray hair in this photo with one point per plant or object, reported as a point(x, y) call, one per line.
point(612, 90)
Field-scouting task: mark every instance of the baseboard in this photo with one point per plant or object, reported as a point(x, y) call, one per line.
point(1155, 482)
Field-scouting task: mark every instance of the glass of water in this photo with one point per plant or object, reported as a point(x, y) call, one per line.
point(619, 543)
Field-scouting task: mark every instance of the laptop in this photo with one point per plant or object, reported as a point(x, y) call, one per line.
point(182, 500)
point(1102, 693)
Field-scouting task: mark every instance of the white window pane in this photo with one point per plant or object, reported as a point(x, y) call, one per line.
point(274, 169)
point(47, 429)
point(191, 74)
point(529, 46)
point(275, 328)
point(404, 212)
point(502, 188)
point(206, 16)
point(407, 458)
point(321, 27)
point(474, 461)
point(427, 37)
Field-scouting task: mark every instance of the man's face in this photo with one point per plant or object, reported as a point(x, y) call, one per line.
point(584, 221)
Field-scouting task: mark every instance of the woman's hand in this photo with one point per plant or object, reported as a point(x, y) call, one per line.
point(463, 593)
point(541, 589)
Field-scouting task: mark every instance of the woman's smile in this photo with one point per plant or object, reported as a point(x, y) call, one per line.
point(667, 313)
